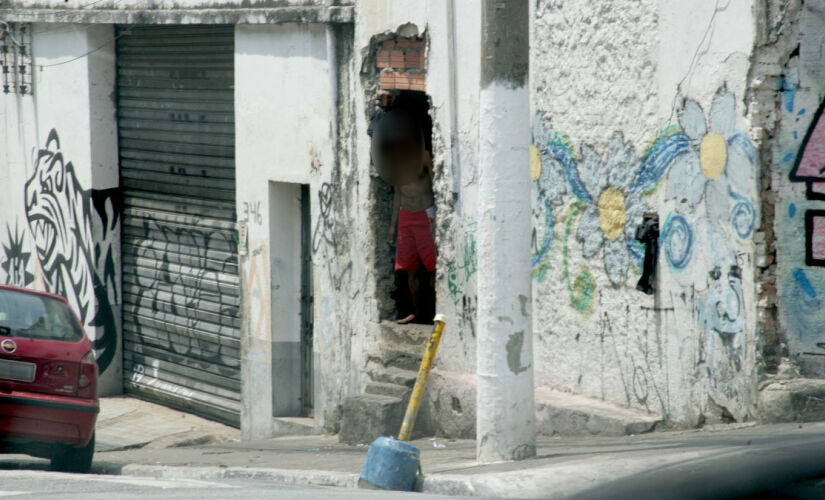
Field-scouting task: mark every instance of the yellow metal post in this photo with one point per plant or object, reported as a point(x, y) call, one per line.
point(421, 380)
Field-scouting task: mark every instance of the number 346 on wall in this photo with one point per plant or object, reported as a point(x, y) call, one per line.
point(252, 211)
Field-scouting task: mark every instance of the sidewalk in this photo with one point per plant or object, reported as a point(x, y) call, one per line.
point(128, 423)
point(564, 467)
point(169, 444)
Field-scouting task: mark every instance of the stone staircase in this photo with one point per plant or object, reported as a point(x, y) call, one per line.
point(392, 369)
point(448, 405)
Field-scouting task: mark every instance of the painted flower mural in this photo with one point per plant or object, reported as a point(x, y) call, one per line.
point(547, 170)
point(548, 164)
point(718, 165)
point(615, 209)
point(598, 197)
point(607, 202)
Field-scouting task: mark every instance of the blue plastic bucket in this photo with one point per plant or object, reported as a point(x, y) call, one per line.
point(391, 464)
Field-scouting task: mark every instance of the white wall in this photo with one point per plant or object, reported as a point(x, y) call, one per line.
point(609, 82)
point(285, 109)
point(71, 114)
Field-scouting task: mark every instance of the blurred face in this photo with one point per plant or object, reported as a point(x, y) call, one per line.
point(397, 150)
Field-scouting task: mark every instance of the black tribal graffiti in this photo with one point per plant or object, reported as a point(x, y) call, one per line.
point(75, 251)
point(16, 264)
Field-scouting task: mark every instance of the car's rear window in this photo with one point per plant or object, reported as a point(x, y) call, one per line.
point(30, 316)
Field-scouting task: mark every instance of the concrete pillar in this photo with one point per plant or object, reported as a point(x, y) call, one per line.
point(505, 425)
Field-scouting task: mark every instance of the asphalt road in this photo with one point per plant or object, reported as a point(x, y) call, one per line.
point(756, 464)
point(50, 485)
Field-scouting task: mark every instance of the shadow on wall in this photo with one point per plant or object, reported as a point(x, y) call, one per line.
point(72, 230)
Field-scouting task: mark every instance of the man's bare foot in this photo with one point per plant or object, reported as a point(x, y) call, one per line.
point(408, 319)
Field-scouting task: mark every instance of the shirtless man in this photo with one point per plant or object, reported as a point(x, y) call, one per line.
point(399, 154)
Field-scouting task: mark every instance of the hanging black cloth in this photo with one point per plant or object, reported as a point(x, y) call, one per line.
point(648, 234)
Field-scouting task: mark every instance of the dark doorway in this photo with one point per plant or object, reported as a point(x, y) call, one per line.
point(307, 381)
point(414, 285)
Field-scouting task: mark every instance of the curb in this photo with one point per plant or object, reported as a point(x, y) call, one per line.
point(283, 476)
point(446, 485)
point(436, 484)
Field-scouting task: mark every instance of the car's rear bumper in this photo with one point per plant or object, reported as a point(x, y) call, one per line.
point(28, 416)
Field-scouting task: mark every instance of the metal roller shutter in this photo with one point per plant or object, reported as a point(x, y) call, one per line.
point(181, 338)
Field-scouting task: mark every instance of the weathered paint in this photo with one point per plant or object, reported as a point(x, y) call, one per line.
point(285, 109)
point(505, 425)
point(177, 12)
point(661, 128)
point(505, 411)
point(58, 167)
point(796, 177)
point(664, 125)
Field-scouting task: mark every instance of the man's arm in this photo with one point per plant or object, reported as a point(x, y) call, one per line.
point(396, 209)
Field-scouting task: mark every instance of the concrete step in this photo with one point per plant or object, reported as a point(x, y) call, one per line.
point(294, 426)
point(385, 389)
point(369, 416)
point(795, 400)
point(405, 359)
point(413, 335)
point(392, 375)
point(564, 414)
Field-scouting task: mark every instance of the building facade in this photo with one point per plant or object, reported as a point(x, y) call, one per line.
point(195, 178)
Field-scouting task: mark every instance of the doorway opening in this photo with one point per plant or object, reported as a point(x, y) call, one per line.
point(405, 113)
point(394, 81)
point(307, 379)
point(291, 299)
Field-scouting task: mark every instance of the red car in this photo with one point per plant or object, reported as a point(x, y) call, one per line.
point(48, 380)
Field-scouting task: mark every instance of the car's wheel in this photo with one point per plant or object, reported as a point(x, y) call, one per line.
point(74, 459)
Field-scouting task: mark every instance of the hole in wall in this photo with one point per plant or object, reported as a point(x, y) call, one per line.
point(394, 79)
point(456, 404)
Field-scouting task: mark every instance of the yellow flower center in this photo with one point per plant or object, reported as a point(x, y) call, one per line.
point(713, 154)
point(612, 212)
point(535, 163)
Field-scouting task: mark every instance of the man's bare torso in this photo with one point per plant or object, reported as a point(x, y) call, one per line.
point(418, 194)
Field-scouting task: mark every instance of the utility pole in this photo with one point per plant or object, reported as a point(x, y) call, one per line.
point(505, 418)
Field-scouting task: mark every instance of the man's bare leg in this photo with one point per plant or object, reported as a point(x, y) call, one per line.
point(412, 282)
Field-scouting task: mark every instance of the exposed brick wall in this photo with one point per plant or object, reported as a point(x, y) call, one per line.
point(402, 63)
point(776, 41)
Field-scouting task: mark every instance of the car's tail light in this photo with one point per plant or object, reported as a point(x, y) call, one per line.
point(86, 382)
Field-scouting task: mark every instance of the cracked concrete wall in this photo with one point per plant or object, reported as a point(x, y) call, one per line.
point(454, 98)
point(149, 5)
point(452, 31)
point(638, 110)
point(178, 11)
point(635, 110)
point(294, 126)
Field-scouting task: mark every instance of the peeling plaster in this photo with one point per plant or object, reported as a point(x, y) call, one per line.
point(514, 346)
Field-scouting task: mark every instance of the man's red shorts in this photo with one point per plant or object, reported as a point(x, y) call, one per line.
point(415, 241)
